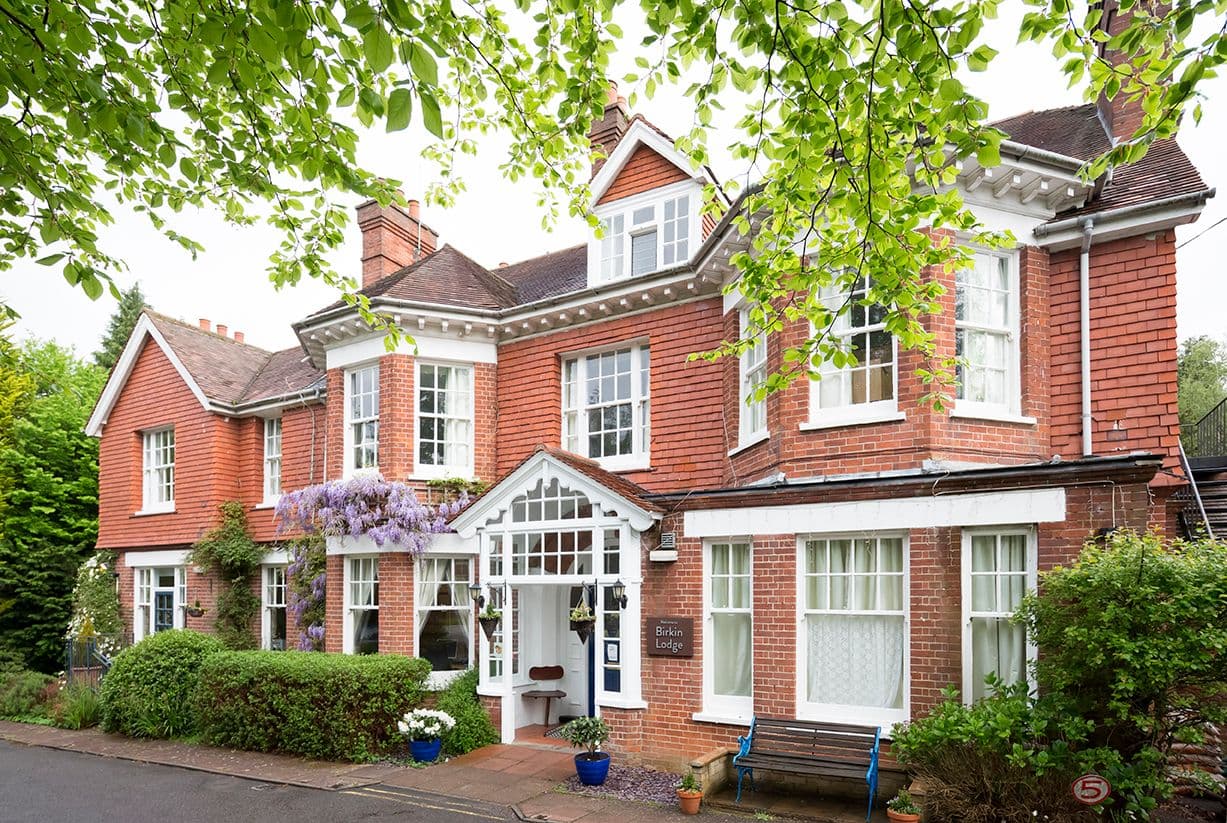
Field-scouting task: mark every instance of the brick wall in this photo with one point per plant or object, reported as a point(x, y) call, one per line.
point(644, 171)
point(395, 603)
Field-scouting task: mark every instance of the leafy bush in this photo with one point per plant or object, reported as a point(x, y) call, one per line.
point(586, 732)
point(95, 603)
point(334, 706)
point(150, 688)
point(473, 727)
point(1007, 758)
point(22, 691)
point(77, 707)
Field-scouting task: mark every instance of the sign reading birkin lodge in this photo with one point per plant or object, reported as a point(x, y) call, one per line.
point(671, 636)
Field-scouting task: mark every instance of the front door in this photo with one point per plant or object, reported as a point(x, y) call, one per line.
point(575, 680)
point(163, 611)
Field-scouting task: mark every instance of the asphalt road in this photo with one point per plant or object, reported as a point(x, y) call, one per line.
point(47, 786)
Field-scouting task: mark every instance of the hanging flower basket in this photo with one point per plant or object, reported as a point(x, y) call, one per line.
point(583, 628)
point(195, 610)
point(489, 625)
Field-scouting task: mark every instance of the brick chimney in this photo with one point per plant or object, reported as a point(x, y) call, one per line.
point(1121, 116)
point(606, 132)
point(392, 238)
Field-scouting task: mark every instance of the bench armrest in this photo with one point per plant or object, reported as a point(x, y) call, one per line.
point(745, 741)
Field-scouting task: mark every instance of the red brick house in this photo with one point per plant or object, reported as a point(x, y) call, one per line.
point(839, 551)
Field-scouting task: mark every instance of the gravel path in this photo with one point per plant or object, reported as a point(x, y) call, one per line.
point(631, 783)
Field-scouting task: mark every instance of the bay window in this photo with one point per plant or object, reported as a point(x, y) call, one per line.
point(753, 373)
point(854, 629)
point(864, 388)
point(444, 612)
point(999, 567)
point(444, 420)
point(272, 459)
point(986, 335)
point(728, 669)
point(158, 470)
point(361, 605)
point(273, 596)
point(362, 419)
point(605, 406)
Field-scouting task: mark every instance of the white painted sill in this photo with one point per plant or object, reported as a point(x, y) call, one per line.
point(844, 422)
point(753, 441)
point(151, 512)
point(266, 504)
point(612, 703)
point(993, 416)
point(724, 720)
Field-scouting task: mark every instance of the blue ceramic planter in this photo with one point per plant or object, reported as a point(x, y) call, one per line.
point(425, 751)
point(592, 772)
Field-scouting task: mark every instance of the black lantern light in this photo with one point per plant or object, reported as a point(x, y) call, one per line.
point(475, 593)
point(618, 590)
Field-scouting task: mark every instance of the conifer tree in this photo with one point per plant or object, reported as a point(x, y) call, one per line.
point(131, 301)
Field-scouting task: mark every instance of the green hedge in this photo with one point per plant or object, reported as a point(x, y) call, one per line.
point(150, 688)
point(473, 728)
point(333, 706)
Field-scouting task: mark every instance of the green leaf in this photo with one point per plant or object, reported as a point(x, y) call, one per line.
point(400, 107)
point(423, 64)
point(50, 260)
point(431, 116)
point(377, 44)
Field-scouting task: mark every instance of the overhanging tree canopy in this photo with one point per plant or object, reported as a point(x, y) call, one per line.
point(854, 112)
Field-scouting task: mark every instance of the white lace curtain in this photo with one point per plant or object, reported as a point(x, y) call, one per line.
point(855, 659)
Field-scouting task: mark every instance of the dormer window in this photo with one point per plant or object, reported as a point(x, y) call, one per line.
point(645, 234)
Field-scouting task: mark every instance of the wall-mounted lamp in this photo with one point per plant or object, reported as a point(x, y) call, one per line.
point(618, 590)
point(475, 593)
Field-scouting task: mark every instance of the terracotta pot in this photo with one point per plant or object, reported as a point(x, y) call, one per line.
point(689, 801)
point(902, 817)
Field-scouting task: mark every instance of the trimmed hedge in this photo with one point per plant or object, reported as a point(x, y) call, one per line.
point(329, 706)
point(473, 727)
point(150, 688)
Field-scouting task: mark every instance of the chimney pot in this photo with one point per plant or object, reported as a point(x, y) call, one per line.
point(205, 324)
point(611, 94)
point(222, 330)
point(239, 337)
point(503, 264)
point(415, 209)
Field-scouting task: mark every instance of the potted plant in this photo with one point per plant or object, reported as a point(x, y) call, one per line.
point(689, 794)
point(902, 808)
point(592, 766)
point(582, 621)
point(425, 728)
point(195, 610)
point(490, 620)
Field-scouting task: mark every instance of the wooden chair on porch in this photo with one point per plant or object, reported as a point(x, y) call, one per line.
point(545, 674)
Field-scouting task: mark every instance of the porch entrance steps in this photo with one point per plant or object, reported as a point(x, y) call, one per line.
point(539, 735)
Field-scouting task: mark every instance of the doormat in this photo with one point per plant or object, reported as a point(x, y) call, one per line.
point(556, 732)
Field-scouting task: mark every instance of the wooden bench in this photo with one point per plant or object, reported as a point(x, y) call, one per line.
point(550, 673)
point(803, 747)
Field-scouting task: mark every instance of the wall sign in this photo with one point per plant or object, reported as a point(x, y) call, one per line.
point(670, 637)
point(1091, 789)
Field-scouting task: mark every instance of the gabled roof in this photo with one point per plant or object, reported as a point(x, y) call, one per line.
point(643, 133)
point(603, 488)
point(1078, 131)
point(448, 277)
point(223, 374)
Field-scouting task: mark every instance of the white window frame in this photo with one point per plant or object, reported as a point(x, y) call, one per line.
point(272, 459)
point(752, 372)
point(724, 708)
point(1032, 575)
point(845, 414)
point(575, 418)
point(273, 580)
point(463, 469)
point(144, 588)
point(350, 465)
point(439, 678)
point(156, 477)
point(1011, 408)
point(609, 256)
point(347, 645)
point(839, 713)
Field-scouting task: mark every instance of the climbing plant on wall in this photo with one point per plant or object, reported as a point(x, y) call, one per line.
point(229, 549)
point(306, 579)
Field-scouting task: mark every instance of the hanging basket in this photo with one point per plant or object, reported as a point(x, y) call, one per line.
point(489, 625)
point(583, 628)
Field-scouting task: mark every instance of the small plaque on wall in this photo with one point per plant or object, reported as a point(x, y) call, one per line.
point(670, 637)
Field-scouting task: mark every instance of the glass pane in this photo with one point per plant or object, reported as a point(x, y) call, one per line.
point(984, 593)
point(732, 652)
point(741, 558)
point(841, 551)
point(892, 593)
point(890, 554)
point(720, 559)
point(866, 559)
point(444, 640)
point(854, 660)
point(983, 553)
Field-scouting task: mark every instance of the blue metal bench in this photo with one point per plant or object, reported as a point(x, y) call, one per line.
point(804, 747)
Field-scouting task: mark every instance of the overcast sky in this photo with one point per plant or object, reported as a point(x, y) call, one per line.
point(497, 221)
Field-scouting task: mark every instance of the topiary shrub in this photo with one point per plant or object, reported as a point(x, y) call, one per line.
point(150, 688)
point(473, 727)
point(332, 706)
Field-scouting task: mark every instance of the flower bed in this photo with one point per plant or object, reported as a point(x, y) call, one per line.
point(631, 783)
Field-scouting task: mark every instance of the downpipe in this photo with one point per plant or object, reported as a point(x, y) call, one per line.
point(1084, 308)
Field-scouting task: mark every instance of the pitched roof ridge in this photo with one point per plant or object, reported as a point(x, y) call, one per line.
point(402, 271)
point(1031, 112)
point(188, 326)
point(544, 255)
point(497, 280)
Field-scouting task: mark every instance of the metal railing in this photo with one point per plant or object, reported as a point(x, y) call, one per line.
point(87, 658)
point(1195, 510)
point(1212, 432)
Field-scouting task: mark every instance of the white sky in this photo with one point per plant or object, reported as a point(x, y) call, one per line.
point(497, 221)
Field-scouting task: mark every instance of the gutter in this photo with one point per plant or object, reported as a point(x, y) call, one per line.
point(1021, 151)
point(1084, 332)
point(1198, 198)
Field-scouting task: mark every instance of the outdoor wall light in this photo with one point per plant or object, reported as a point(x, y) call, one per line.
point(618, 590)
point(475, 593)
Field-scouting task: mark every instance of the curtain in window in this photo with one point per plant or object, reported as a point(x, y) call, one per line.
point(732, 652)
point(996, 646)
point(855, 660)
